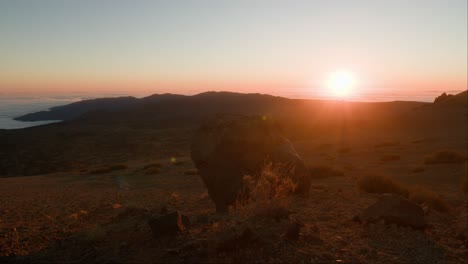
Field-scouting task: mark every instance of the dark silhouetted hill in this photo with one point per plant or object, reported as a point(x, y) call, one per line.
point(75, 110)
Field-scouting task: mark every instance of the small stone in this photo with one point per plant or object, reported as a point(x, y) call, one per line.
point(393, 209)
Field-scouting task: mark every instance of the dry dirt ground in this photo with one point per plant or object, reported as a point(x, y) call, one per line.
point(77, 217)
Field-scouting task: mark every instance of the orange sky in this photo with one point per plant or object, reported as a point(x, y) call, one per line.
point(279, 47)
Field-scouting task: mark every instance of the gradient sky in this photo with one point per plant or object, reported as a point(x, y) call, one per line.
point(249, 46)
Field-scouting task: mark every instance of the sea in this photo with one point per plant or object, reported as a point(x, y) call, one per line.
point(15, 105)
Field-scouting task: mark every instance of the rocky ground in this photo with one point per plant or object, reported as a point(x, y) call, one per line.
point(104, 218)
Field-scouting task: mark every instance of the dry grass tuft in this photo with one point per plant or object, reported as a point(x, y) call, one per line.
point(375, 183)
point(267, 195)
point(445, 156)
point(422, 195)
point(324, 171)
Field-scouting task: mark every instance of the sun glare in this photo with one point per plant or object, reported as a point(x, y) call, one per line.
point(341, 83)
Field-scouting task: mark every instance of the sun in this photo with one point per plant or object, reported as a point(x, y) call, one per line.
point(341, 83)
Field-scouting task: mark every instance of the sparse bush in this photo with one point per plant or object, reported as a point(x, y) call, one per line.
point(391, 157)
point(424, 196)
point(267, 194)
point(445, 156)
point(374, 183)
point(324, 171)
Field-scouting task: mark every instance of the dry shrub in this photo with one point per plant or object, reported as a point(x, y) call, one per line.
point(422, 195)
point(390, 157)
point(445, 156)
point(324, 171)
point(267, 194)
point(375, 183)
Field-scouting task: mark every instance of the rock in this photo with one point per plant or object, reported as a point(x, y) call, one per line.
point(394, 209)
point(227, 148)
point(169, 224)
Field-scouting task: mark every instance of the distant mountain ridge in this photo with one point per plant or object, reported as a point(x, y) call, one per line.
point(77, 109)
point(199, 102)
point(167, 106)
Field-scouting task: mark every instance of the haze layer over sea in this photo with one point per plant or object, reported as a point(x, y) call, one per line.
point(14, 105)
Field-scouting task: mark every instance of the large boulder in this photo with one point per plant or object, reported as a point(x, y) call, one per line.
point(394, 209)
point(227, 148)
